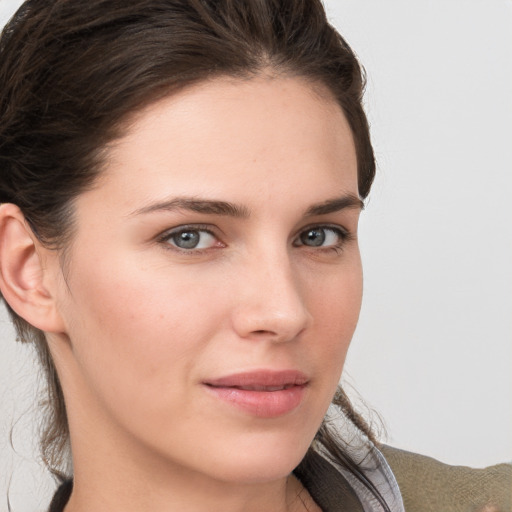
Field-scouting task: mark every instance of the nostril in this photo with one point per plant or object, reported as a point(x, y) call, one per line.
point(264, 333)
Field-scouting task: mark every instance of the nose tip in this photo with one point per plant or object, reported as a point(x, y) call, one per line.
point(271, 306)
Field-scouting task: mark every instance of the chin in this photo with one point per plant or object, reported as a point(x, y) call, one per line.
point(262, 460)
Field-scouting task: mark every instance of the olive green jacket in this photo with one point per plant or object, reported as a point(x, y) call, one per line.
point(428, 485)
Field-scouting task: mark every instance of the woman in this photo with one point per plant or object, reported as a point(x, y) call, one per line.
point(182, 183)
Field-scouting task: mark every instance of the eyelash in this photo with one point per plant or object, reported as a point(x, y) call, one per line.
point(165, 238)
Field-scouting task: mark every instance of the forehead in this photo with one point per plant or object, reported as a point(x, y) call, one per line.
point(237, 137)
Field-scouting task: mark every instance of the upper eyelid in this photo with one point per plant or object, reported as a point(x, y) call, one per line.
point(325, 225)
point(211, 228)
point(208, 228)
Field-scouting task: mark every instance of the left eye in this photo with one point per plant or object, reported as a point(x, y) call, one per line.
point(191, 239)
point(321, 237)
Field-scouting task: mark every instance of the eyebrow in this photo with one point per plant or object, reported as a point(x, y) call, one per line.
point(207, 206)
point(215, 207)
point(348, 201)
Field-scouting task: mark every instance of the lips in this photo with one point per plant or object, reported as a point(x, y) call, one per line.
point(261, 388)
point(262, 393)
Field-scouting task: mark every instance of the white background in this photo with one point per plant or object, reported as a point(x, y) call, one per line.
point(433, 351)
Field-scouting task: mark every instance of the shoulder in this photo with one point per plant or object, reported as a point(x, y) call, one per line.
point(429, 485)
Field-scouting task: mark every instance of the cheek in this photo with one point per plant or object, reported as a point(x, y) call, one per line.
point(135, 331)
point(335, 308)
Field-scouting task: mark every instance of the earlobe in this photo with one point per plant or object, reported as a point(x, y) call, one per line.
point(23, 282)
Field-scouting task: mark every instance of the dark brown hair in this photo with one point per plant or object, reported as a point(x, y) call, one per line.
point(71, 72)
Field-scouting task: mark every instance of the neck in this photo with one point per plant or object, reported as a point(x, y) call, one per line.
point(114, 474)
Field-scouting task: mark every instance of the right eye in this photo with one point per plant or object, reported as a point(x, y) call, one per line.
point(190, 238)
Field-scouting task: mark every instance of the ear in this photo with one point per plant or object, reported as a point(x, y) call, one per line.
point(27, 279)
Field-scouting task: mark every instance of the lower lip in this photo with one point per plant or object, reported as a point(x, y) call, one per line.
point(263, 404)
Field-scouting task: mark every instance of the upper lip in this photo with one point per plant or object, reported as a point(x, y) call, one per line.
point(261, 380)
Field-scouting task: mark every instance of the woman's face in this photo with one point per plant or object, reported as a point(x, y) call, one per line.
point(214, 282)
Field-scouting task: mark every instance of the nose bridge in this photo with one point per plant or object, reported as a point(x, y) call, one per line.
point(272, 304)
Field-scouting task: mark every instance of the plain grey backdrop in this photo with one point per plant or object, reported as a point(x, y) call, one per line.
point(433, 350)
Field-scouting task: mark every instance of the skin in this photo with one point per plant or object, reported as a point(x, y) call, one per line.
point(139, 325)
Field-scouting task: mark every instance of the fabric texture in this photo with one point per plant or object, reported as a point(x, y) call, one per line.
point(375, 470)
point(428, 485)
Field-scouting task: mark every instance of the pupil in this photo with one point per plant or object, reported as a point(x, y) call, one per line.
point(313, 237)
point(187, 239)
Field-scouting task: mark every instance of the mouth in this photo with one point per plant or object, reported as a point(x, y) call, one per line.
point(262, 393)
point(261, 380)
point(257, 388)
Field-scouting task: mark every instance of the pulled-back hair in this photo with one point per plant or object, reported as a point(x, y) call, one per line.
point(71, 72)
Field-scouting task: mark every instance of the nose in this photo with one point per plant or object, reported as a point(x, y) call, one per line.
point(270, 303)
